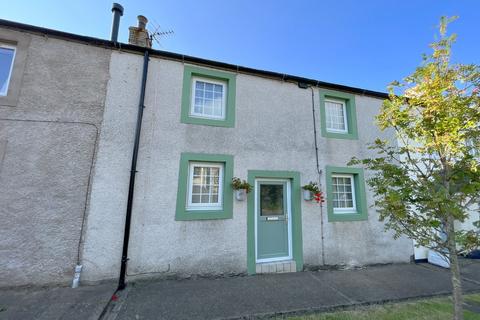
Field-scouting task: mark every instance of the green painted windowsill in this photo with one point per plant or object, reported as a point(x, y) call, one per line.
point(360, 196)
point(182, 214)
point(351, 114)
point(230, 78)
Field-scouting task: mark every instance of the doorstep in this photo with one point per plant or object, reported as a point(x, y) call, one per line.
point(276, 267)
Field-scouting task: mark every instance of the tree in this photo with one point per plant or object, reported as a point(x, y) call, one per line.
point(431, 179)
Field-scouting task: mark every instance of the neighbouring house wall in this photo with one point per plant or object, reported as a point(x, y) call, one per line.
point(110, 180)
point(47, 145)
point(473, 216)
point(421, 252)
point(273, 131)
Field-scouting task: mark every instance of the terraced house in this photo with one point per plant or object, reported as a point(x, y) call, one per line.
point(75, 110)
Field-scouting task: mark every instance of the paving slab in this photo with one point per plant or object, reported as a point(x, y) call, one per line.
point(240, 297)
point(85, 302)
point(289, 293)
point(229, 297)
point(470, 269)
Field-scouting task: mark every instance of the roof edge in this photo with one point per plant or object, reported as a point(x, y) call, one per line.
point(189, 59)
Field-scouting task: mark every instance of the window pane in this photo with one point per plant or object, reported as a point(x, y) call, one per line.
point(197, 181)
point(342, 192)
point(335, 116)
point(6, 61)
point(271, 200)
point(209, 100)
point(199, 85)
point(205, 185)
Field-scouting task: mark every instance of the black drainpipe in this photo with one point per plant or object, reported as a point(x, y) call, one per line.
point(133, 171)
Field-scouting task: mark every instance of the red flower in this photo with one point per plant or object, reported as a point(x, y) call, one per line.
point(319, 197)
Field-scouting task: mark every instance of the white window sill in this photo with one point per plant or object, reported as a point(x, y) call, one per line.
point(345, 212)
point(204, 208)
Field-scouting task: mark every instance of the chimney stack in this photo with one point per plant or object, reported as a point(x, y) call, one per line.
point(139, 35)
point(117, 10)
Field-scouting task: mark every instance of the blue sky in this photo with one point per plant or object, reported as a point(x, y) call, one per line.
point(365, 44)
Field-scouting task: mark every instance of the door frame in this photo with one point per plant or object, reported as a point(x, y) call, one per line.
point(295, 221)
point(288, 191)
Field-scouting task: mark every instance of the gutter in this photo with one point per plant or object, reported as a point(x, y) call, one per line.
point(186, 59)
point(133, 171)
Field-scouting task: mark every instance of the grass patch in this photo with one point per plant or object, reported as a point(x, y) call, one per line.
point(437, 308)
point(473, 298)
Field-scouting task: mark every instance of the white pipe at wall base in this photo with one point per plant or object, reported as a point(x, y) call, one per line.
point(76, 277)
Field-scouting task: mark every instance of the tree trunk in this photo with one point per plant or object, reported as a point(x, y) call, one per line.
point(455, 271)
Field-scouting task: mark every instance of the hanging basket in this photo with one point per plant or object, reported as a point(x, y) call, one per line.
point(307, 195)
point(241, 194)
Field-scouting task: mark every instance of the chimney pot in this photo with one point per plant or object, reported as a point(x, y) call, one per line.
point(142, 22)
point(117, 10)
point(117, 7)
point(139, 35)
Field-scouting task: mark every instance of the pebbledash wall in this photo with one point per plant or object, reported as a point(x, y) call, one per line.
point(49, 122)
point(272, 130)
point(66, 138)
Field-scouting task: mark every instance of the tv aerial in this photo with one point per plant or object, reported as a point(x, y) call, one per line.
point(157, 34)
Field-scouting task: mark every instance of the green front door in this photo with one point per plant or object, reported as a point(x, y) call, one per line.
point(273, 221)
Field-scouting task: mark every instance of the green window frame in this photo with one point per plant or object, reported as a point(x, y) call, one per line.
point(182, 212)
point(359, 196)
point(191, 72)
point(351, 114)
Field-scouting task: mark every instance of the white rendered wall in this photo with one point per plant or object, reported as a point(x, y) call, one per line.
point(273, 131)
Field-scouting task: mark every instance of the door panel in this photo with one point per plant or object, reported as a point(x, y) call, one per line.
point(272, 214)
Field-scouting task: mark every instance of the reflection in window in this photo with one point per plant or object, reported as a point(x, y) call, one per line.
point(209, 99)
point(7, 54)
point(336, 115)
point(205, 186)
point(343, 193)
point(271, 199)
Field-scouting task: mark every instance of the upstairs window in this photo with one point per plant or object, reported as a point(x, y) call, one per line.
point(338, 117)
point(7, 56)
point(208, 99)
point(336, 114)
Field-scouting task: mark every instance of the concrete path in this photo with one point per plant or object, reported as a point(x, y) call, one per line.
point(54, 303)
point(289, 293)
point(240, 297)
